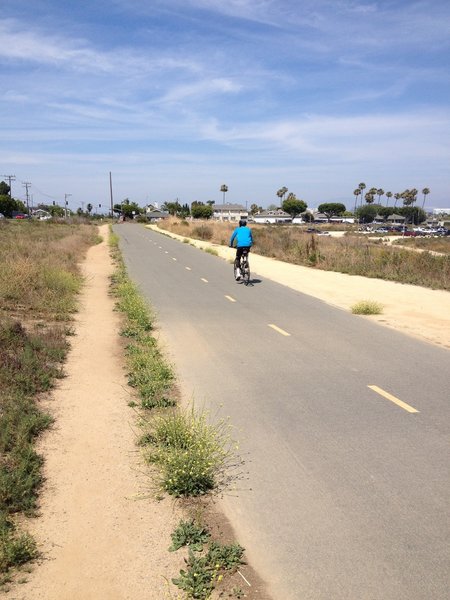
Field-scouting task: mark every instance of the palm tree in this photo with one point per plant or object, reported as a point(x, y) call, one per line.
point(362, 187)
point(425, 193)
point(369, 198)
point(388, 196)
point(397, 196)
point(356, 193)
point(380, 192)
point(224, 189)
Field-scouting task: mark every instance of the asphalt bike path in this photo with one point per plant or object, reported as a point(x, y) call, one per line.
point(345, 424)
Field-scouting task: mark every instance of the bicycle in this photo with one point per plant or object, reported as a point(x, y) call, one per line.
point(244, 267)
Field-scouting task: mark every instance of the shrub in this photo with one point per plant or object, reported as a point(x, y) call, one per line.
point(203, 232)
point(367, 307)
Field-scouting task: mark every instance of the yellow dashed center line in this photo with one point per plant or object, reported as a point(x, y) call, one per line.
point(230, 298)
point(188, 268)
point(204, 280)
point(279, 330)
point(173, 258)
point(393, 399)
point(166, 252)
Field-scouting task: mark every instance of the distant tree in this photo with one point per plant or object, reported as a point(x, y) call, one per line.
point(281, 193)
point(210, 202)
point(293, 206)
point(199, 210)
point(185, 211)
point(254, 208)
point(413, 214)
point(369, 198)
point(89, 208)
point(9, 205)
point(425, 193)
point(367, 213)
point(357, 192)
point(386, 211)
point(4, 188)
point(173, 208)
point(397, 197)
point(273, 207)
point(331, 209)
point(362, 187)
point(388, 196)
point(380, 192)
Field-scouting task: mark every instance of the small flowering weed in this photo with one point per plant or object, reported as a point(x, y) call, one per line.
point(194, 455)
point(202, 572)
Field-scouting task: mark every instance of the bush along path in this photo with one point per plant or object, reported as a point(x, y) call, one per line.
point(191, 454)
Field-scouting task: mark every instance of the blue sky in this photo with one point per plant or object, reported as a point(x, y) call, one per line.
point(177, 97)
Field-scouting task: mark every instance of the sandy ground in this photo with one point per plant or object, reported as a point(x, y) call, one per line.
point(101, 534)
point(416, 311)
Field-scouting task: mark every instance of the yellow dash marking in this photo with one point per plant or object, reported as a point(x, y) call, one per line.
point(230, 298)
point(166, 252)
point(173, 258)
point(203, 279)
point(393, 399)
point(279, 330)
point(188, 268)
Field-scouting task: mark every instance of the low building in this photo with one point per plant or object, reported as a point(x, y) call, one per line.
point(153, 213)
point(272, 216)
point(396, 219)
point(229, 212)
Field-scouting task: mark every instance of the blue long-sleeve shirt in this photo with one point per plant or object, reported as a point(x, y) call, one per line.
point(243, 237)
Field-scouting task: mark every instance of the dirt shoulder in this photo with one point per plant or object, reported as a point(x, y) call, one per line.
point(100, 534)
point(420, 312)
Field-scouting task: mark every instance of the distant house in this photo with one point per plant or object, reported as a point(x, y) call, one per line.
point(379, 219)
point(396, 219)
point(153, 213)
point(229, 212)
point(272, 216)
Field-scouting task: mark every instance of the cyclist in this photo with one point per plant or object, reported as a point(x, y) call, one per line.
point(244, 240)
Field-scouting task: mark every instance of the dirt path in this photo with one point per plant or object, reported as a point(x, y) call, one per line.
point(100, 539)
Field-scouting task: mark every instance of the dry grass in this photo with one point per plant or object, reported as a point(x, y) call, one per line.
point(39, 266)
point(348, 254)
point(434, 244)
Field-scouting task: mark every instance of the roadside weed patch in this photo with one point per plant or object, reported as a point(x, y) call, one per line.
point(212, 251)
point(205, 570)
point(194, 456)
point(188, 533)
point(16, 548)
point(148, 370)
point(367, 307)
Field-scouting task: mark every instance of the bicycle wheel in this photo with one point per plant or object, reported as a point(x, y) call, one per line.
point(245, 271)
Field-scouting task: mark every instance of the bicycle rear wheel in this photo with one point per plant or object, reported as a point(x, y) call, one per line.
point(245, 271)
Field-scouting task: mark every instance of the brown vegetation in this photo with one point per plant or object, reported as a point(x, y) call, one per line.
point(354, 255)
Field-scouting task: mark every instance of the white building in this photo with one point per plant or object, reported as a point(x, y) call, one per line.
point(272, 216)
point(229, 212)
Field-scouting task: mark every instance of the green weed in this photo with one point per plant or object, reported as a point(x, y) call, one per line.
point(188, 533)
point(367, 307)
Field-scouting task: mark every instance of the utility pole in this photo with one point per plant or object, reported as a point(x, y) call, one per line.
point(111, 194)
point(10, 178)
point(65, 204)
point(26, 185)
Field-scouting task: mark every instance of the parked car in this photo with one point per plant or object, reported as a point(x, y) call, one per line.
point(381, 230)
point(410, 233)
point(312, 230)
point(323, 233)
point(21, 216)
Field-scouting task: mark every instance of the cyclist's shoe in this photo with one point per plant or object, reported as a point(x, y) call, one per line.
point(238, 274)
